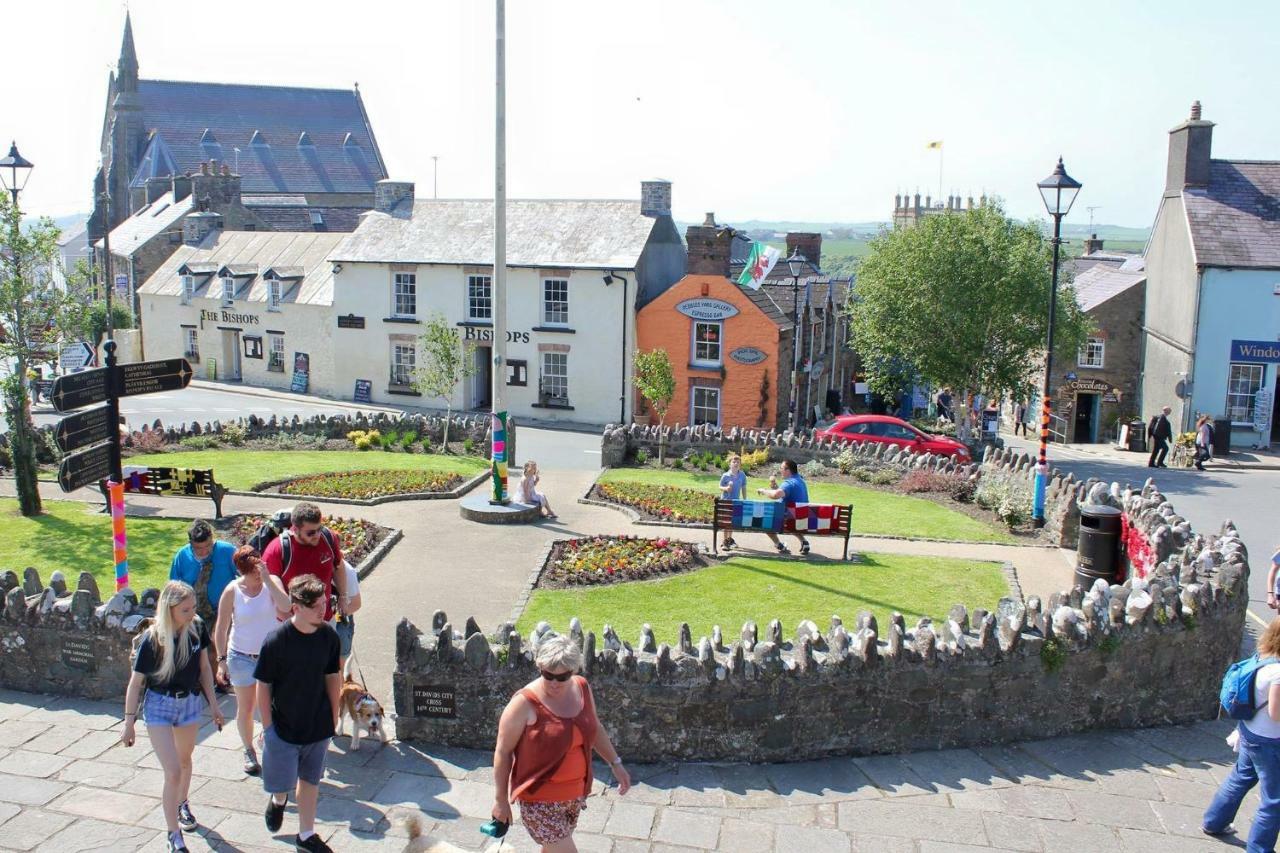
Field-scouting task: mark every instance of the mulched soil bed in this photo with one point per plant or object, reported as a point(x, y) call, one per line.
point(356, 537)
point(598, 560)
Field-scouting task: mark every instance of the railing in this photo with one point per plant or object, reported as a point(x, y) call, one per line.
point(1057, 428)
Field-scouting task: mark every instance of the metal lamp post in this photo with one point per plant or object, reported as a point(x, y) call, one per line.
point(795, 263)
point(14, 171)
point(1059, 191)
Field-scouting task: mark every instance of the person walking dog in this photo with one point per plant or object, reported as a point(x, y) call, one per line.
point(1160, 431)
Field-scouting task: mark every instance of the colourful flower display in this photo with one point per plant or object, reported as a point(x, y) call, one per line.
point(612, 559)
point(356, 537)
point(364, 485)
point(668, 503)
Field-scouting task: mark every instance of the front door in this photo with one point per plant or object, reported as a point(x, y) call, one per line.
point(1086, 419)
point(481, 377)
point(231, 354)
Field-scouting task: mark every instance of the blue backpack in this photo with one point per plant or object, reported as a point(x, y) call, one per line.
point(1237, 693)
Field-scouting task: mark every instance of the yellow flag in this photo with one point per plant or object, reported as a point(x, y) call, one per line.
point(933, 145)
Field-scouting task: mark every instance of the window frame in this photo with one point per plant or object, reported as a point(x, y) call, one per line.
point(545, 374)
point(479, 280)
point(275, 294)
point(547, 302)
point(188, 289)
point(228, 289)
point(1261, 372)
point(1083, 357)
point(273, 364)
point(191, 343)
point(404, 286)
point(399, 378)
point(693, 404)
point(694, 343)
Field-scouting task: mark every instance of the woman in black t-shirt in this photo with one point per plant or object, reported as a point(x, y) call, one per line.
point(172, 666)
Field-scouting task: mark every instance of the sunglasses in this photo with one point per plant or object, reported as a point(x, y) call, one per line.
point(551, 676)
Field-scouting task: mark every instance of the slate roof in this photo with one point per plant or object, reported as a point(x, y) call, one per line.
point(584, 233)
point(198, 122)
point(1235, 221)
point(291, 217)
point(740, 251)
point(254, 253)
point(151, 220)
point(1099, 283)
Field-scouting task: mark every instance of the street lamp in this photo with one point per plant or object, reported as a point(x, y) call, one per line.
point(1058, 190)
point(796, 263)
point(14, 171)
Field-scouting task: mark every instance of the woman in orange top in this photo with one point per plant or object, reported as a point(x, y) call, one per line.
point(543, 756)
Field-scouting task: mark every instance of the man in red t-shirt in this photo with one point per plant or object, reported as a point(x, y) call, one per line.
point(313, 550)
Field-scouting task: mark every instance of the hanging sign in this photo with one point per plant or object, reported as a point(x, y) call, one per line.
point(704, 308)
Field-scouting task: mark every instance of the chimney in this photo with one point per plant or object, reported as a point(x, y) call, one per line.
point(216, 184)
point(199, 225)
point(709, 248)
point(655, 198)
point(897, 202)
point(181, 187)
point(1189, 147)
point(809, 244)
point(387, 195)
point(1092, 244)
point(157, 187)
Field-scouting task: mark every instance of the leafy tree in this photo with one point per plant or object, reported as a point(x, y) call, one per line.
point(961, 300)
point(656, 382)
point(441, 365)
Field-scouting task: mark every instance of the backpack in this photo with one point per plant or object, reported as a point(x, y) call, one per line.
point(1237, 693)
point(286, 550)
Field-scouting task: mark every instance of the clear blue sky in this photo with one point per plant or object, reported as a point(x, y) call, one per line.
point(755, 110)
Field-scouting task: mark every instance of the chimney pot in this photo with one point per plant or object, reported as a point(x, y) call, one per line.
point(1195, 111)
point(710, 221)
point(1190, 150)
point(808, 243)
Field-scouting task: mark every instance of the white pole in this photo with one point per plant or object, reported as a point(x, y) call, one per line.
point(500, 212)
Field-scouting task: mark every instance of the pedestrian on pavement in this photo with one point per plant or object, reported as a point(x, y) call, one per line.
point(171, 665)
point(542, 758)
point(344, 623)
point(309, 548)
point(298, 688)
point(205, 564)
point(733, 487)
point(1160, 431)
point(1258, 757)
point(1020, 417)
point(944, 405)
point(1204, 440)
point(247, 613)
point(1273, 578)
point(527, 492)
point(792, 491)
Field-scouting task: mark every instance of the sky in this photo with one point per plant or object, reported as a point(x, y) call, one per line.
point(804, 111)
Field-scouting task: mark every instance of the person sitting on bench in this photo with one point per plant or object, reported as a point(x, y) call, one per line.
point(792, 491)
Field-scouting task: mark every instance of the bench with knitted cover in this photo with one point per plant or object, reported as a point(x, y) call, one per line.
point(189, 482)
point(776, 517)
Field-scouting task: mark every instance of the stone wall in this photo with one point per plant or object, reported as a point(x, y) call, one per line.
point(1063, 493)
point(67, 641)
point(1149, 652)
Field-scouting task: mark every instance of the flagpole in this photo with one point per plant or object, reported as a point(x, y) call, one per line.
point(939, 171)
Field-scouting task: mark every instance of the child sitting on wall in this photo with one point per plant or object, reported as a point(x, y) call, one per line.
point(527, 492)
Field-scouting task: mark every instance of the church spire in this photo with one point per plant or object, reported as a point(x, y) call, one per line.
point(127, 68)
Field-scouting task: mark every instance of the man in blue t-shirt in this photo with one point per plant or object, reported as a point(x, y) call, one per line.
point(792, 491)
point(204, 563)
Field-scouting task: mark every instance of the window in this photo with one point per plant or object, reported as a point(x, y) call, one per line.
point(1093, 354)
point(479, 297)
point(406, 295)
point(898, 432)
point(188, 288)
point(1243, 382)
point(275, 355)
point(861, 428)
point(191, 345)
point(403, 360)
point(555, 301)
point(228, 290)
point(705, 406)
point(553, 385)
point(273, 295)
point(706, 343)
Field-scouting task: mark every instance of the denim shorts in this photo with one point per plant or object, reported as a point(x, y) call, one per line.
point(240, 668)
point(161, 709)
point(346, 629)
point(283, 763)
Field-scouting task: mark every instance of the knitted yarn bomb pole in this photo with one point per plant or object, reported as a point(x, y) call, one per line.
point(115, 492)
point(498, 466)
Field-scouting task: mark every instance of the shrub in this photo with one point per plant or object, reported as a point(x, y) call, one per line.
point(1009, 500)
point(407, 440)
point(364, 440)
point(962, 489)
point(468, 445)
point(389, 441)
point(6, 458)
point(813, 468)
point(426, 445)
point(642, 456)
point(846, 459)
point(199, 442)
point(149, 441)
point(937, 426)
point(755, 459)
point(925, 481)
point(885, 477)
point(862, 474)
point(1053, 654)
point(235, 434)
point(677, 463)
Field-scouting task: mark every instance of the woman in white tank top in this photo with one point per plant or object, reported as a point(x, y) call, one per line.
point(247, 613)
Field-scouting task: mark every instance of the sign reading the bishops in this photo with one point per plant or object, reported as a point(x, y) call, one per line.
point(434, 701)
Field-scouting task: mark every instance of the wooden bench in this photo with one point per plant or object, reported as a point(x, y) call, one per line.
point(189, 482)
point(775, 517)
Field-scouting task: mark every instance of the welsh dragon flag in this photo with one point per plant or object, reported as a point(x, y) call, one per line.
point(759, 264)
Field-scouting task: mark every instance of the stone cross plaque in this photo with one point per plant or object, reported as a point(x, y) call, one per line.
point(434, 701)
point(78, 653)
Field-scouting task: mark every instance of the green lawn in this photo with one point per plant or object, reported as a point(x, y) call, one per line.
point(74, 537)
point(875, 513)
point(765, 588)
point(242, 469)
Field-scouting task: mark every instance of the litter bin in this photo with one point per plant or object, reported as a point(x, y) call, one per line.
point(1138, 435)
point(1098, 553)
point(1221, 436)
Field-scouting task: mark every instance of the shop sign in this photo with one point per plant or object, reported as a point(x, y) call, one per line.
point(1088, 385)
point(350, 321)
point(704, 308)
point(748, 355)
point(1257, 352)
point(481, 333)
point(225, 316)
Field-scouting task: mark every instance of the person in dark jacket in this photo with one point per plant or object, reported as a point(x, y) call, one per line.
point(1160, 431)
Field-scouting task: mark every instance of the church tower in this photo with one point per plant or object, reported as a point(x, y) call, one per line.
point(124, 137)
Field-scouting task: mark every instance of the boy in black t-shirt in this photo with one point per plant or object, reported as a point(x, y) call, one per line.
point(298, 687)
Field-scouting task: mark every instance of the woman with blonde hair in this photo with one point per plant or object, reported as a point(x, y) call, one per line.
point(542, 759)
point(1258, 758)
point(172, 665)
point(527, 492)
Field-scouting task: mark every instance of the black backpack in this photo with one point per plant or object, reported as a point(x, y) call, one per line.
point(273, 527)
point(286, 550)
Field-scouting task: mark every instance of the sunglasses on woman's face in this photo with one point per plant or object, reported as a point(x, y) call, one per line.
point(556, 676)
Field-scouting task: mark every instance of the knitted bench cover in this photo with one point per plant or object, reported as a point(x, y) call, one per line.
point(758, 515)
point(810, 518)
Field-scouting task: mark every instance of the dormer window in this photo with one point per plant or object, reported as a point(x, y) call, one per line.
point(228, 290)
point(273, 295)
point(188, 289)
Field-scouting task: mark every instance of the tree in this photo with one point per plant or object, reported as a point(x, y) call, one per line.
point(441, 365)
point(656, 382)
point(961, 300)
point(33, 313)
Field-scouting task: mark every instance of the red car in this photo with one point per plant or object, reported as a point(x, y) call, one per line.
point(883, 429)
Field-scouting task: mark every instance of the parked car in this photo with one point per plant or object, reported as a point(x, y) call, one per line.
point(884, 429)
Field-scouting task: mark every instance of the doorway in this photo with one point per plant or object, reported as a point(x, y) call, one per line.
point(231, 354)
point(481, 382)
point(1086, 429)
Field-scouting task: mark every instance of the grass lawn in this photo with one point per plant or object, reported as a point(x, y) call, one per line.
point(875, 513)
point(72, 537)
point(242, 469)
point(766, 588)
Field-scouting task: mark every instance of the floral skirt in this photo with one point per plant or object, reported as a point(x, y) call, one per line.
point(548, 823)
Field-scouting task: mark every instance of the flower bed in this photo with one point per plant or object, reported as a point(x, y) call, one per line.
point(356, 537)
point(615, 559)
point(365, 485)
point(663, 503)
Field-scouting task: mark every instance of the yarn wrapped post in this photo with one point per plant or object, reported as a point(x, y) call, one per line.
point(115, 493)
point(499, 463)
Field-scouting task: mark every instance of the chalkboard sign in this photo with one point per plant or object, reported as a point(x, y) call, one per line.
point(301, 373)
point(364, 391)
point(78, 653)
point(434, 701)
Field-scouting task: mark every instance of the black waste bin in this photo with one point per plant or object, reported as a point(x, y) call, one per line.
point(1221, 436)
point(1138, 436)
point(1098, 554)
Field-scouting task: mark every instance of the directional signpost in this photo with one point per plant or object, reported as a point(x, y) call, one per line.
point(75, 357)
point(81, 389)
point(83, 429)
point(148, 377)
point(84, 468)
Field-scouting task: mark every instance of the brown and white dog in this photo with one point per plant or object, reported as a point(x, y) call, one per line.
point(419, 843)
point(367, 716)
